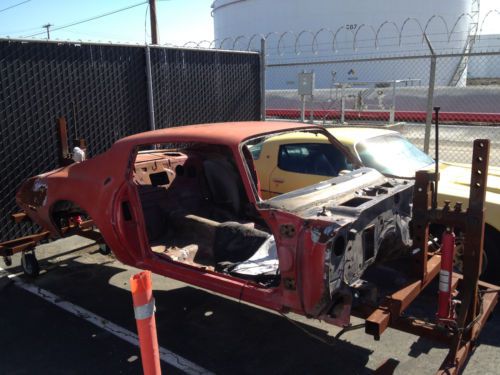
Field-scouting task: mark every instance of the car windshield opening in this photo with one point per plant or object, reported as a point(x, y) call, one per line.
point(392, 155)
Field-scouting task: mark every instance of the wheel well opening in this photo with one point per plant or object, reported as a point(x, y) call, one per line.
point(64, 211)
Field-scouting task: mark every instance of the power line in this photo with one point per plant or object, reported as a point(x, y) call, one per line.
point(15, 5)
point(88, 19)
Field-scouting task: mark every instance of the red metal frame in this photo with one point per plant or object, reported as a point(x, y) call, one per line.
point(28, 243)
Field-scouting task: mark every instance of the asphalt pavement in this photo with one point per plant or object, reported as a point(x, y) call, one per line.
point(59, 323)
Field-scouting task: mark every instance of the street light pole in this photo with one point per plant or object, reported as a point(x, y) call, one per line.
point(154, 26)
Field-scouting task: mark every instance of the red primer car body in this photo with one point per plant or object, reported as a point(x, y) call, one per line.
point(326, 235)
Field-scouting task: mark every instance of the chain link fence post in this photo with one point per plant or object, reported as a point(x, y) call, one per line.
point(262, 79)
point(430, 96)
point(149, 80)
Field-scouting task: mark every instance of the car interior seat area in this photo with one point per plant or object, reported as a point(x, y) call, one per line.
point(196, 212)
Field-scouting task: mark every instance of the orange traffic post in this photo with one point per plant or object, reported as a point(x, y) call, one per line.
point(144, 311)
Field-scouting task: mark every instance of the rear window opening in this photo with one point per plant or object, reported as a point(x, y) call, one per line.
point(197, 212)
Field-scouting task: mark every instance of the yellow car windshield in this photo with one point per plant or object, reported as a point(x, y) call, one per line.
point(393, 155)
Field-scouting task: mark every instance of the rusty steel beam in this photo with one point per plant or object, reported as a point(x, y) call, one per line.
point(377, 322)
point(400, 300)
point(421, 205)
point(380, 319)
point(77, 228)
point(455, 360)
point(17, 245)
point(9, 248)
point(473, 245)
point(455, 280)
point(62, 132)
point(489, 301)
point(395, 304)
point(19, 217)
point(7, 251)
point(447, 217)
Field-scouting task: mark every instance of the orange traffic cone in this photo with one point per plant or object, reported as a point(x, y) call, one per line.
point(144, 311)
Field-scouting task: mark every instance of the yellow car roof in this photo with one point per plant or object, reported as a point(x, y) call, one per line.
point(350, 135)
point(346, 135)
point(294, 137)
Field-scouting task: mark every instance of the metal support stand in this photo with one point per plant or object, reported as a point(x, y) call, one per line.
point(476, 302)
point(27, 244)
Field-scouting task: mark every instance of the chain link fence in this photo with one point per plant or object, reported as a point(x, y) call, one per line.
point(190, 87)
point(102, 90)
point(396, 90)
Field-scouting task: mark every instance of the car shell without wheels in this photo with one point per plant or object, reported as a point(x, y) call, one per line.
point(187, 203)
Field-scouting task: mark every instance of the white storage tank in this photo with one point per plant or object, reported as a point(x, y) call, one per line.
point(485, 67)
point(299, 31)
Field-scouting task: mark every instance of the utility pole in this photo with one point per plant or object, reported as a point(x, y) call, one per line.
point(47, 26)
point(154, 27)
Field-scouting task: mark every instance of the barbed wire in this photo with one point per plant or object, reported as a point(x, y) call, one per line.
point(364, 38)
point(253, 41)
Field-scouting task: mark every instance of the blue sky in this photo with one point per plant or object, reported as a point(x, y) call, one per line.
point(179, 21)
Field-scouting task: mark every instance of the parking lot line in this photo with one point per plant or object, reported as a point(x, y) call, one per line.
point(165, 355)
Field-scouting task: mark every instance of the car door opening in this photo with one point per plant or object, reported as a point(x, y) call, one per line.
point(196, 212)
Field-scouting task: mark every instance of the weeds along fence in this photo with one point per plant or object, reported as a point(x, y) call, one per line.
point(107, 92)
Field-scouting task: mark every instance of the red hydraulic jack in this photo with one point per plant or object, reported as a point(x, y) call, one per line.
point(477, 299)
point(446, 307)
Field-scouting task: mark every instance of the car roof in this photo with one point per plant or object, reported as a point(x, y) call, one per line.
point(227, 133)
point(352, 135)
point(346, 135)
point(296, 137)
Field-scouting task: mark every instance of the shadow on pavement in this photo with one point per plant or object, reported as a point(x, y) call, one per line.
point(219, 334)
point(216, 333)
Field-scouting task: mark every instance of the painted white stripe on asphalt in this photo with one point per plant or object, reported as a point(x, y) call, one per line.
point(165, 355)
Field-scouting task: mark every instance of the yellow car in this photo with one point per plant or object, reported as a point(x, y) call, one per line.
point(291, 161)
